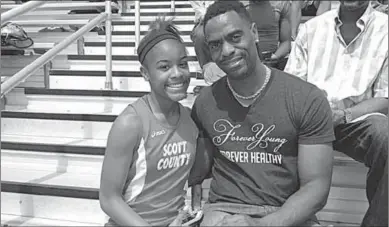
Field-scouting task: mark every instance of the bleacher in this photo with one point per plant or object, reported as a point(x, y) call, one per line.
point(55, 125)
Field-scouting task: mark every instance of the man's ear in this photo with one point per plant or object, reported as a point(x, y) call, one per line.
point(254, 31)
point(145, 73)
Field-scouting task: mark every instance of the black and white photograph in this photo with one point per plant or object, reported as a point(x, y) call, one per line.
point(194, 113)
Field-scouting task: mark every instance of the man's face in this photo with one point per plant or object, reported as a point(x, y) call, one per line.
point(351, 4)
point(231, 41)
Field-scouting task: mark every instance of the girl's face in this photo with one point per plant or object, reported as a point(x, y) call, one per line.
point(166, 69)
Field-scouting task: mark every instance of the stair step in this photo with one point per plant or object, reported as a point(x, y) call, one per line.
point(124, 50)
point(58, 104)
point(182, 28)
point(156, 13)
point(101, 57)
point(122, 44)
point(101, 73)
point(64, 145)
point(131, 33)
point(52, 207)
point(88, 93)
point(16, 220)
point(48, 166)
point(74, 104)
point(119, 83)
point(78, 128)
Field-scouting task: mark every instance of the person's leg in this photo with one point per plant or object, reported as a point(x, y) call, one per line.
point(377, 214)
point(367, 141)
point(212, 216)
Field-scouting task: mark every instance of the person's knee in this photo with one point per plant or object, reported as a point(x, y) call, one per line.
point(378, 130)
point(378, 127)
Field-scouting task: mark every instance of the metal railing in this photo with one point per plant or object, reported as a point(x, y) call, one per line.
point(28, 6)
point(137, 20)
point(27, 71)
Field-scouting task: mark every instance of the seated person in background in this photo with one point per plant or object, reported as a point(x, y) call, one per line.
point(151, 146)
point(345, 53)
point(381, 6)
point(274, 32)
point(266, 135)
point(305, 8)
point(210, 71)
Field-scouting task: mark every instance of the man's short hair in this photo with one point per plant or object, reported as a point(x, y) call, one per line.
point(222, 7)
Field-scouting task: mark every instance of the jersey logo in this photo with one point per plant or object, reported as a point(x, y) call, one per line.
point(157, 133)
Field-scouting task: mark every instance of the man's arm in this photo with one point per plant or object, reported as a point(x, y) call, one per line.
point(315, 155)
point(297, 64)
point(295, 16)
point(285, 32)
point(315, 171)
point(377, 104)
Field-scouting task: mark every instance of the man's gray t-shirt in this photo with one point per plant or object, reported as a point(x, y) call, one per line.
point(256, 148)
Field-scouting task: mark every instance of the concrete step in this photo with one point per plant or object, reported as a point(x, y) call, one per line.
point(16, 220)
point(53, 207)
point(137, 84)
point(42, 181)
point(120, 51)
point(60, 104)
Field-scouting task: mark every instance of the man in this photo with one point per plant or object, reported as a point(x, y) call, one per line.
point(306, 8)
point(266, 135)
point(272, 20)
point(345, 53)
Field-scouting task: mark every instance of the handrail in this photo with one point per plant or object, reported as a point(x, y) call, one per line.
point(24, 73)
point(28, 6)
point(137, 25)
point(62, 6)
point(108, 45)
point(172, 6)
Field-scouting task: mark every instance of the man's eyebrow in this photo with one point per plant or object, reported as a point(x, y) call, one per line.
point(229, 34)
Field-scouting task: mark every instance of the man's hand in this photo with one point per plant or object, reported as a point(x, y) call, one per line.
point(180, 217)
point(337, 117)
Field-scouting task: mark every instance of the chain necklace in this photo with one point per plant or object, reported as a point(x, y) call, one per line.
point(268, 73)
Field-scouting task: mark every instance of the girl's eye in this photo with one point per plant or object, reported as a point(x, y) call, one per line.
point(163, 67)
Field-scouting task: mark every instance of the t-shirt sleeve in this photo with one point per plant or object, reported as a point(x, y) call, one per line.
point(204, 151)
point(316, 125)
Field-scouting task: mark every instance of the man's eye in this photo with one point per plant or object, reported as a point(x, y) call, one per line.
point(236, 38)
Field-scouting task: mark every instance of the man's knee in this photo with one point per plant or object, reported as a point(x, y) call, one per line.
point(378, 127)
point(378, 130)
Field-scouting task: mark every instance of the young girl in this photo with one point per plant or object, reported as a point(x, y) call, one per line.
point(152, 143)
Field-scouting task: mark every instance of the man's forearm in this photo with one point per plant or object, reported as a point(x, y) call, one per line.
point(301, 206)
point(372, 105)
point(283, 49)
